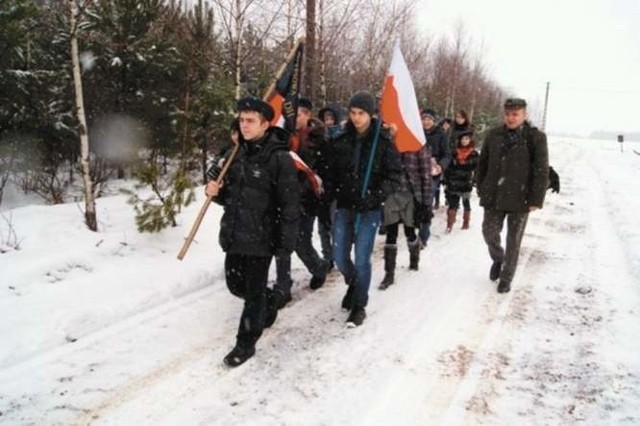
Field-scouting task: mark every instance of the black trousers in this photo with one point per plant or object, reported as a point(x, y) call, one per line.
point(392, 233)
point(492, 225)
point(247, 278)
point(453, 200)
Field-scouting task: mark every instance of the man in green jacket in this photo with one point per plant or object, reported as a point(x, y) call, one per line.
point(512, 179)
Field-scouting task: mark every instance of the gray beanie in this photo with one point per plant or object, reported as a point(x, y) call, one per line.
point(364, 101)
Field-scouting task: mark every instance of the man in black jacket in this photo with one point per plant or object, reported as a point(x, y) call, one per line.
point(512, 179)
point(438, 142)
point(308, 151)
point(261, 203)
point(357, 216)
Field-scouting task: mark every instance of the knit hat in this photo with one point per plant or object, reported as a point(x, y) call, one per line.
point(251, 103)
point(428, 112)
point(465, 133)
point(328, 111)
point(364, 101)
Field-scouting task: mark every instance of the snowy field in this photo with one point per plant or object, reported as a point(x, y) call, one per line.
point(110, 328)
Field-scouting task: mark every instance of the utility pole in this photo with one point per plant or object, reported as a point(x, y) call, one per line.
point(544, 114)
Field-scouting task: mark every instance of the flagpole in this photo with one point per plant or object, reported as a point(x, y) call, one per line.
point(290, 57)
point(367, 174)
point(207, 201)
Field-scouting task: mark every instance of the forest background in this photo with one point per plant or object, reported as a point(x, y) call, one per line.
point(156, 82)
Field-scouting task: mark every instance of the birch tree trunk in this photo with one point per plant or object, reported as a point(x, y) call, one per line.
point(323, 57)
point(90, 203)
point(310, 50)
point(239, 24)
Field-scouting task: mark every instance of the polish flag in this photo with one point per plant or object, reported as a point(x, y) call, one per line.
point(314, 179)
point(399, 105)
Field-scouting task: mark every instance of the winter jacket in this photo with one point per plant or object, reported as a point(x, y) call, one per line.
point(261, 199)
point(312, 142)
point(458, 177)
point(345, 164)
point(512, 173)
point(439, 145)
point(417, 166)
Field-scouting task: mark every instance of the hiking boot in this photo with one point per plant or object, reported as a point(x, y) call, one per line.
point(276, 300)
point(390, 253)
point(504, 287)
point(239, 355)
point(466, 217)
point(356, 317)
point(330, 265)
point(451, 219)
point(414, 254)
point(347, 300)
point(271, 308)
point(387, 280)
point(317, 281)
point(494, 272)
point(285, 300)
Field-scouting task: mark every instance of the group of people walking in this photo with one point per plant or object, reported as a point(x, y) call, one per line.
point(351, 178)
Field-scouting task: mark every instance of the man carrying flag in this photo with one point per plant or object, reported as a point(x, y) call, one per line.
point(293, 113)
point(261, 211)
point(311, 140)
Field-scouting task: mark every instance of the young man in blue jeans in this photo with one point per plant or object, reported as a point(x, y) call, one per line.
point(357, 217)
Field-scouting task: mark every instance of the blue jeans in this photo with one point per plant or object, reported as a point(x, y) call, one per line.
point(344, 238)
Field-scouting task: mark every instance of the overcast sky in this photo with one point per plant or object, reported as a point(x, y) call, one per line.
point(589, 50)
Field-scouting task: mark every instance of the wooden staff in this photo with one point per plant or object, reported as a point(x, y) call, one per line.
point(207, 202)
point(227, 164)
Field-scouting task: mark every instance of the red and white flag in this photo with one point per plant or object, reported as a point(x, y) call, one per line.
point(399, 105)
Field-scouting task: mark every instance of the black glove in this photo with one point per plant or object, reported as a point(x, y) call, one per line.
point(281, 252)
point(366, 204)
point(324, 215)
point(424, 213)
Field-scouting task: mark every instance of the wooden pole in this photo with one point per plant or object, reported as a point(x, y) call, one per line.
point(207, 202)
point(292, 53)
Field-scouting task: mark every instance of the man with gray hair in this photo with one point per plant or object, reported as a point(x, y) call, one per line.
point(512, 179)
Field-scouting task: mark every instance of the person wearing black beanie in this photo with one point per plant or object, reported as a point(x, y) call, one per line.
point(364, 101)
point(358, 213)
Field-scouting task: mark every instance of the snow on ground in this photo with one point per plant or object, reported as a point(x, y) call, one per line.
point(110, 328)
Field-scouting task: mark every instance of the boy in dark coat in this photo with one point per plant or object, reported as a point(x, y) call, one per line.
point(512, 180)
point(357, 217)
point(261, 203)
point(438, 143)
point(330, 117)
point(310, 139)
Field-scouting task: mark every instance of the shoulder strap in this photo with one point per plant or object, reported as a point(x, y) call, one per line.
point(528, 137)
